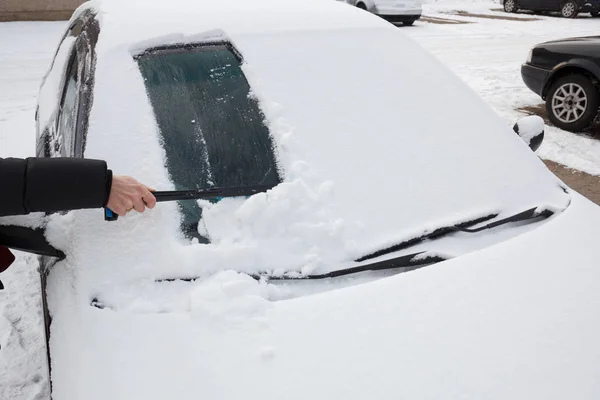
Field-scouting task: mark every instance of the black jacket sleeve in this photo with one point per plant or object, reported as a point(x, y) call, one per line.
point(52, 184)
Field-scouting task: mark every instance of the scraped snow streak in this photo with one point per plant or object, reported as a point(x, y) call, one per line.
point(373, 153)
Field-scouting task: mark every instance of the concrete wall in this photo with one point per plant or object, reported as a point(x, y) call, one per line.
point(37, 10)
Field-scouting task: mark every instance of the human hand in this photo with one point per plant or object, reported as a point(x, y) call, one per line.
point(128, 194)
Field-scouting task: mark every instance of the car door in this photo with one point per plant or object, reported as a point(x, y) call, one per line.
point(530, 4)
point(67, 115)
point(550, 5)
point(64, 134)
point(76, 100)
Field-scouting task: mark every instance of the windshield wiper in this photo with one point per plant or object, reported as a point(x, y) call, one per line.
point(406, 261)
point(526, 215)
point(418, 259)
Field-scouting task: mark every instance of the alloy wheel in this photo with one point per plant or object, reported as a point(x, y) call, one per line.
point(569, 103)
point(509, 6)
point(568, 10)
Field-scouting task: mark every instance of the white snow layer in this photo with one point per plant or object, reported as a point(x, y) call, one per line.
point(514, 320)
point(26, 49)
point(357, 177)
point(530, 127)
point(500, 322)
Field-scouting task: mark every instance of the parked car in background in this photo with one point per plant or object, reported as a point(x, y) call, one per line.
point(566, 74)
point(567, 8)
point(394, 11)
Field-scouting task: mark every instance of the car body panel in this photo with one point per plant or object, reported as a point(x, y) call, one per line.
point(338, 201)
point(550, 58)
point(509, 321)
point(556, 5)
point(535, 78)
point(390, 8)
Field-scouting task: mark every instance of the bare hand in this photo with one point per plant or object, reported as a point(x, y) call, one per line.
point(128, 194)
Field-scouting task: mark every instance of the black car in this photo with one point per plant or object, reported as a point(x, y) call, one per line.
point(566, 74)
point(567, 8)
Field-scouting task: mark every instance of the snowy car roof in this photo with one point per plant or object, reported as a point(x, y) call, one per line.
point(138, 19)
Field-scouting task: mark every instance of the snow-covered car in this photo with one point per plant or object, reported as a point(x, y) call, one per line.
point(296, 292)
point(566, 74)
point(567, 8)
point(395, 11)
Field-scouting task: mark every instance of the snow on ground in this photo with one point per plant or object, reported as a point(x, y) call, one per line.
point(26, 49)
point(488, 53)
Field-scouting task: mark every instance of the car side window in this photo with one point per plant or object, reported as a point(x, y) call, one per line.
point(67, 116)
point(212, 129)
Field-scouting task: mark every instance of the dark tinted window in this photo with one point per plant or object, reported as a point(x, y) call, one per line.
point(67, 120)
point(212, 129)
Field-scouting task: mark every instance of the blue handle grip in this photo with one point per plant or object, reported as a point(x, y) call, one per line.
point(109, 215)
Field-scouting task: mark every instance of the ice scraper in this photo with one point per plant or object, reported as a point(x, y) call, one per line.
point(196, 194)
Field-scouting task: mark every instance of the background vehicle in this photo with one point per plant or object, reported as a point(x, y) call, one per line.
point(566, 73)
point(207, 299)
point(395, 11)
point(567, 8)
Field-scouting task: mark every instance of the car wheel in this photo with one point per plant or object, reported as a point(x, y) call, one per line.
point(595, 14)
point(408, 23)
point(510, 6)
point(572, 103)
point(362, 6)
point(570, 9)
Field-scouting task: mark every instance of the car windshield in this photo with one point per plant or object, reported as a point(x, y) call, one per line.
point(211, 127)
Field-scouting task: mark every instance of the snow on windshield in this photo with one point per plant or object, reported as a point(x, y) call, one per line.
point(373, 150)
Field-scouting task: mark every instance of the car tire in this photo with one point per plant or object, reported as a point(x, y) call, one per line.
point(569, 10)
point(595, 14)
point(362, 6)
point(510, 6)
point(408, 23)
point(572, 103)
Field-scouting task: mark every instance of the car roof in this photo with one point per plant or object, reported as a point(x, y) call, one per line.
point(137, 20)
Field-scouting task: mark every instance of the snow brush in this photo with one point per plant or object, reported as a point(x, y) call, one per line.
point(197, 194)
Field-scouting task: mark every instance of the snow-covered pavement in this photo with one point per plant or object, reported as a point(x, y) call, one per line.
point(486, 53)
point(26, 49)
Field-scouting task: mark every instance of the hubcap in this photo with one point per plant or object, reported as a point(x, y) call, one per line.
point(568, 9)
point(510, 4)
point(569, 103)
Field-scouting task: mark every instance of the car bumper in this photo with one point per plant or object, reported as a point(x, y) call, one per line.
point(535, 78)
point(396, 18)
point(591, 6)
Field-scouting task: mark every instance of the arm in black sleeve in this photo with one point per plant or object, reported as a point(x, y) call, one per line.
point(52, 184)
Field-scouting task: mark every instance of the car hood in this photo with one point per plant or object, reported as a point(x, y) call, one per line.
point(583, 39)
point(514, 320)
